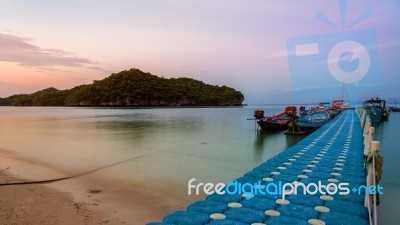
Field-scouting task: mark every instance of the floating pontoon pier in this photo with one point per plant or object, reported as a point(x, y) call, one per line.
point(332, 154)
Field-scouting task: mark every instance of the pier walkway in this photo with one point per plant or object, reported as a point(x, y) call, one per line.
point(331, 154)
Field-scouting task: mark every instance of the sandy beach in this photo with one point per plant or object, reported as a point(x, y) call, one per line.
point(75, 201)
point(36, 204)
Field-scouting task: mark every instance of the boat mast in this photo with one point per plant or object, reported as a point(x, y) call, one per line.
point(345, 92)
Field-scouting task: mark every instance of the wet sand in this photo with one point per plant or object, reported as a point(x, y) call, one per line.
point(75, 201)
point(36, 204)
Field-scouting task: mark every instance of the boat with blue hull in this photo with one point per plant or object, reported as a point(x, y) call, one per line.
point(376, 110)
point(307, 123)
point(314, 120)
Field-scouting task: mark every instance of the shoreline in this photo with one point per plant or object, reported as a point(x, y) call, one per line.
point(38, 204)
point(75, 201)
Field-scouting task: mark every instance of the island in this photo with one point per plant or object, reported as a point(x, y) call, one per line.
point(132, 88)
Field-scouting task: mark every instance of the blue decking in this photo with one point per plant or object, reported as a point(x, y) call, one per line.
point(332, 154)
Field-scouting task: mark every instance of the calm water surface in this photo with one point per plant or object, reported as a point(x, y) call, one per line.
point(169, 146)
point(389, 135)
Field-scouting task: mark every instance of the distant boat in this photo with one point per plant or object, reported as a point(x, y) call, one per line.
point(323, 106)
point(394, 109)
point(339, 105)
point(333, 112)
point(333, 109)
point(376, 110)
point(278, 122)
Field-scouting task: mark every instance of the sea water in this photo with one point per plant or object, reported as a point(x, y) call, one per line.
point(388, 134)
point(161, 149)
point(166, 147)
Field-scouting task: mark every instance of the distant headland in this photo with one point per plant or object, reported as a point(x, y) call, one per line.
point(132, 88)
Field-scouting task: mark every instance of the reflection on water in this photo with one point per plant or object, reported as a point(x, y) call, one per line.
point(259, 142)
point(261, 138)
point(293, 139)
point(388, 133)
point(263, 141)
point(210, 144)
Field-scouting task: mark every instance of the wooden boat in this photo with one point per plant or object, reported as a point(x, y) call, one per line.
point(308, 123)
point(314, 120)
point(393, 105)
point(333, 112)
point(303, 111)
point(278, 122)
point(339, 105)
point(323, 106)
point(376, 110)
point(334, 109)
point(394, 109)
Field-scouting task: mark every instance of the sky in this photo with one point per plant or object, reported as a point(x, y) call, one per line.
point(242, 44)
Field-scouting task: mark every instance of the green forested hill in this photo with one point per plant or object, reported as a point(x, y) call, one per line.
point(133, 88)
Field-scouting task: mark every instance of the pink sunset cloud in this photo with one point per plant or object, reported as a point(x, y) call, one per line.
point(20, 50)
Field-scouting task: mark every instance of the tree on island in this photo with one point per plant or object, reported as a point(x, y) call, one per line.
point(133, 88)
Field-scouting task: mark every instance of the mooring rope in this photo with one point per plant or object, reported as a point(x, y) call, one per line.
point(107, 166)
point(80, 174)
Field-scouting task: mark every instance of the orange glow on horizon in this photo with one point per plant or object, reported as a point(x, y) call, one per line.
point(16, 79)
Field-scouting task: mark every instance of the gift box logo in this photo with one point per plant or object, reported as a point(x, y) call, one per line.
point(320, 65)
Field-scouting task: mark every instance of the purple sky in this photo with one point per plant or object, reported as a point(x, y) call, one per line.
point(233, 42)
